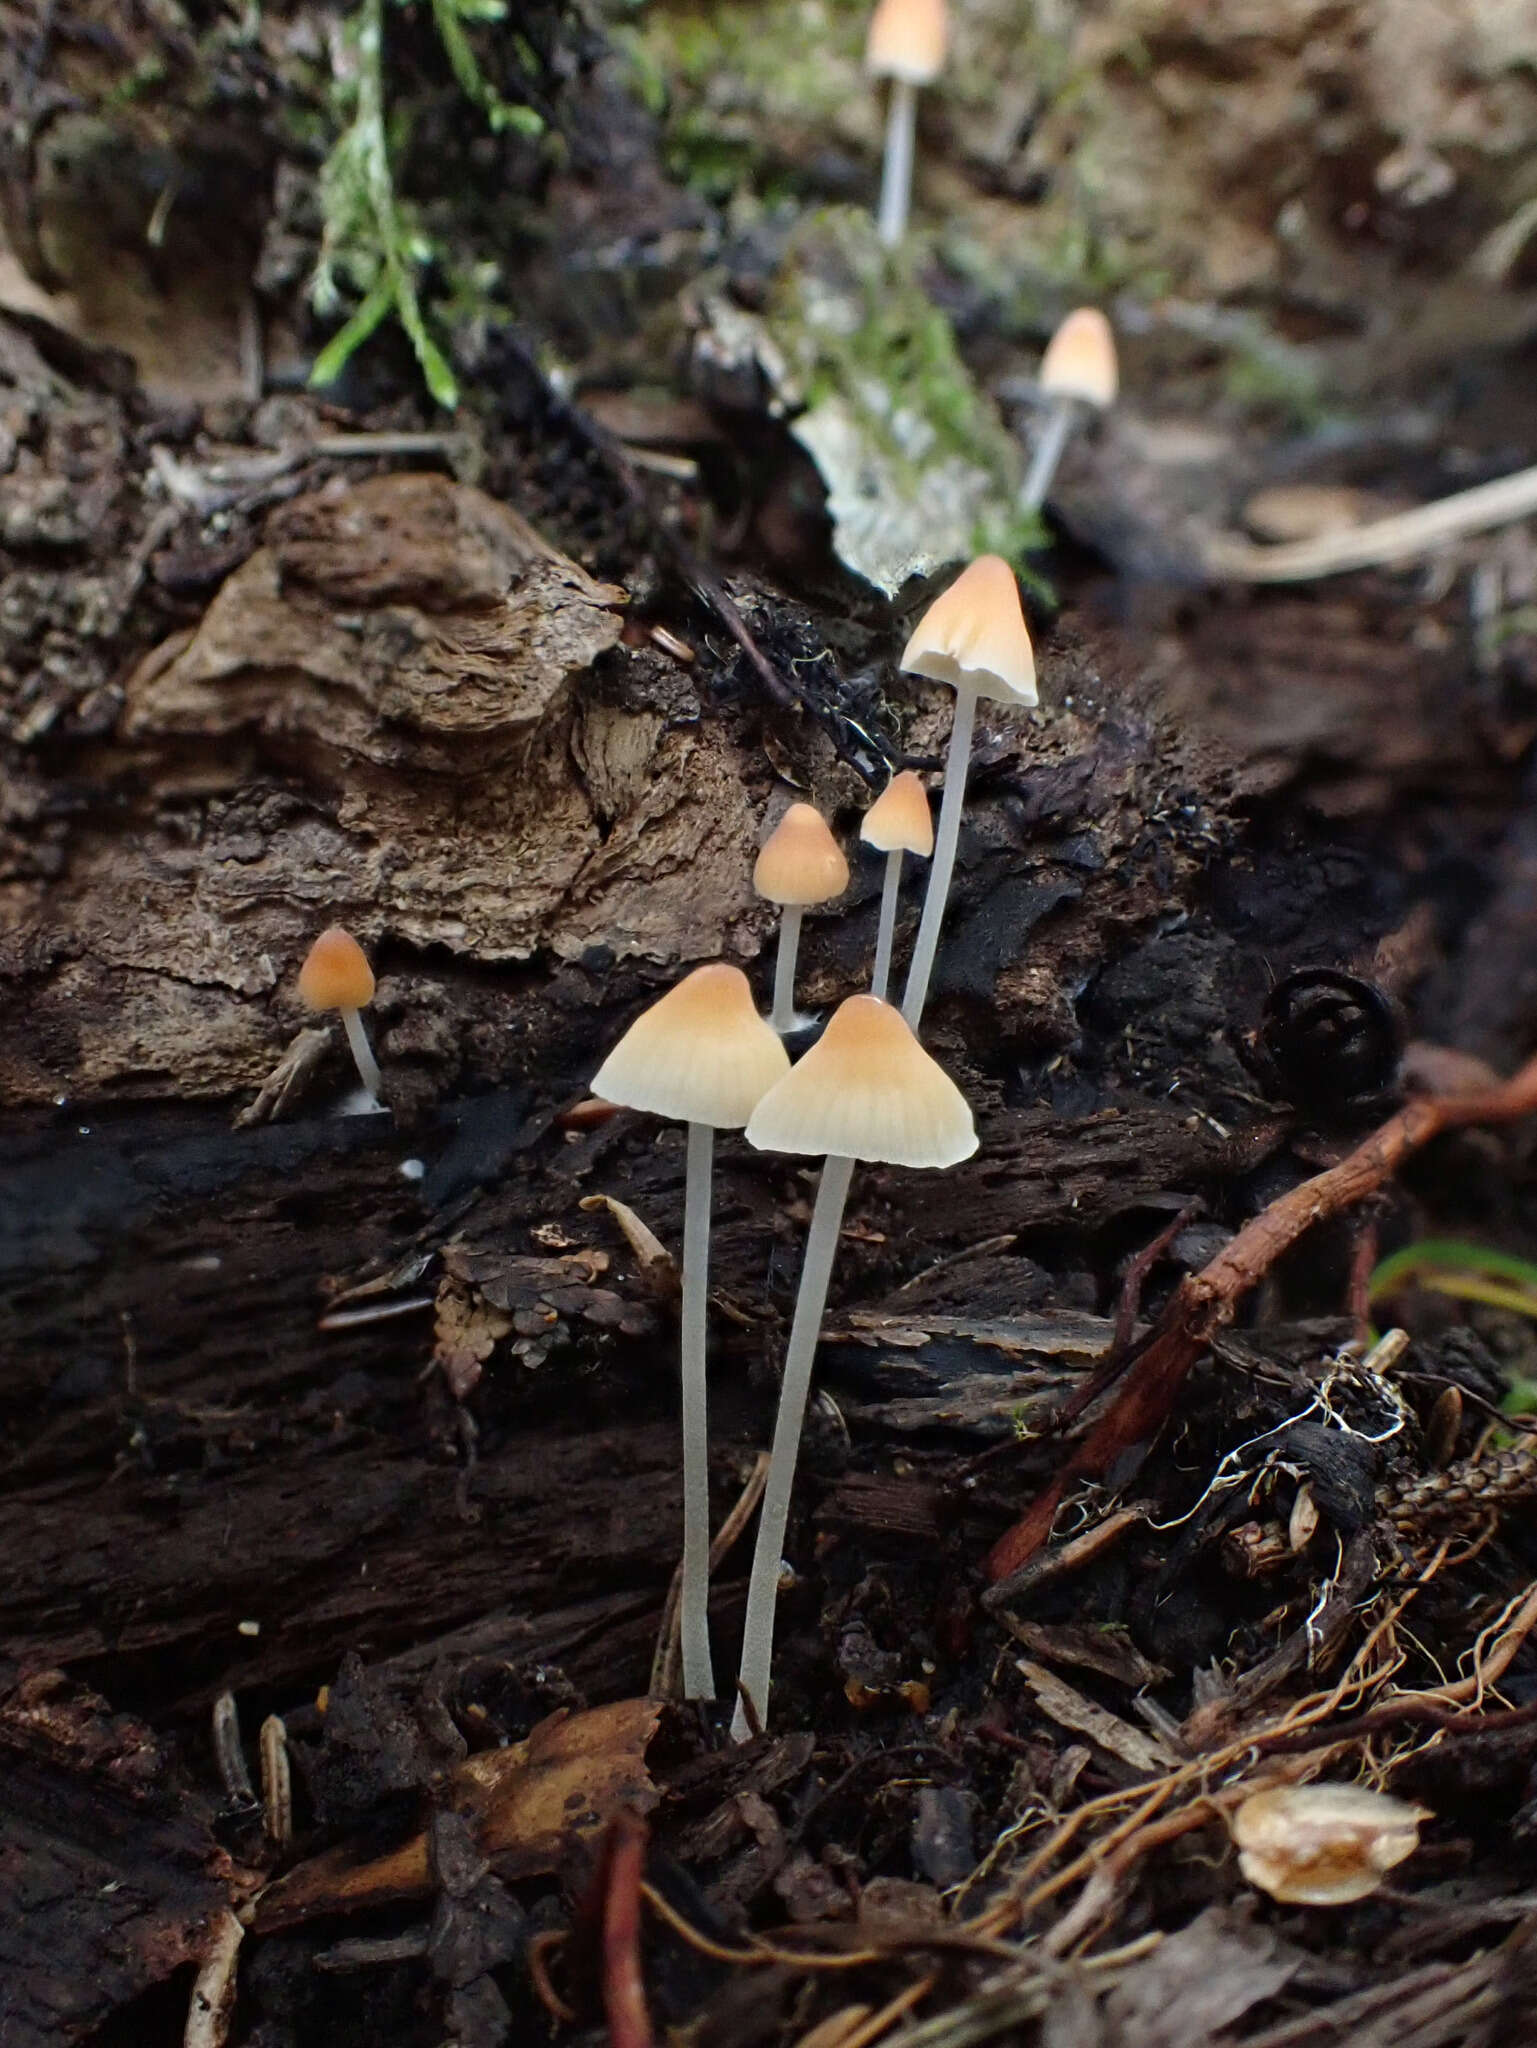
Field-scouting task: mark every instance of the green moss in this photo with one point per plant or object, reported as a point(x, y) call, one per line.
point(856, 324)
point(917, 463)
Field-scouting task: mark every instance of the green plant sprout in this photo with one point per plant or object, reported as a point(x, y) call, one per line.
point(370, 241)
point(1470, 1272)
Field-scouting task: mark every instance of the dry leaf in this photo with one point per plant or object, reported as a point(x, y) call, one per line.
point(468, 1330)
point(526, 1804)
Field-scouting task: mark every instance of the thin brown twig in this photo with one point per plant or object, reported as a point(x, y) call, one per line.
point(1204, 1302)
point(540, 1947)
point(879, 2022)
point(624, 1990)
point(666, 1664)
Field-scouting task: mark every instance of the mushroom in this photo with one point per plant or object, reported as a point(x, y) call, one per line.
point(906, 43)
point(703, 1056)
point(336, 976)
point(1077, 370)
point(1323, 1845)
point(972, 637)
point(865, 1090)
point(897, 822)
point(801, 863)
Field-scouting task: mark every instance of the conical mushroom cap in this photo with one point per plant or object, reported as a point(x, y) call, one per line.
point(1080, 359)
point(701, 1055)
point(900, 816)
point(867, 1090)
point(335, 974)
point(907, 40)
point(973, 636)
point(801, 862)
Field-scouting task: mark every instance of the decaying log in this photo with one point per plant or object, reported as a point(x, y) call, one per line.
point(109, 1875)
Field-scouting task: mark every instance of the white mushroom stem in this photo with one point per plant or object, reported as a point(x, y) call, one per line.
point(763, 1586)
point(783, 1017)
point(897, 168)
point(694, 1606)
point(363, 1053)
point(1053, 438)
point(946, 838)
point(886, 930)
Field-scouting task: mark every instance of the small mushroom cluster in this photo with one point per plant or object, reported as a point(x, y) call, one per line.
point(865, 1090)
point(906, 44)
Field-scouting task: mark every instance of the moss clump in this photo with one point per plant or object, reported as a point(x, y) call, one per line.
point(918, 465)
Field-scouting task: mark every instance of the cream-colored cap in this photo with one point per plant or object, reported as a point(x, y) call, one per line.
point(801, 862)
point(907, 40)
point(336, 974)
point(900, 817)
point(973, 636)
point(1323, 1845)
point(1080, 359)
point(867, 1090)
point(702, 1054)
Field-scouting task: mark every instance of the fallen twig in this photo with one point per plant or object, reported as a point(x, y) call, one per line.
point(624, 1991)
point(213, 1989)
point(1204, 1302)
point(665, 1665)
point(1396, 539)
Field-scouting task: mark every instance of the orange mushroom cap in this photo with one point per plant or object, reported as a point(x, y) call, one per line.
point(900, 817)
point(801, 862)
point(907, 40)
point(973, 636)
point(336, 974)
point(701, 1054)
point(1080, 359)
point(867, 1090)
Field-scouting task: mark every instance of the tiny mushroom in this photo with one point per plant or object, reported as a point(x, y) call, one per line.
point(897, 822)
point(865, 1090)
point(801, 863)
point(973, 637)
point(703, 1056)
point(906, 43)
point(1078, 370)
point(336, 976)
point(1323, 1845)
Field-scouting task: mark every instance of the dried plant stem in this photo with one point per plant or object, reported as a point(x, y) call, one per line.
point(213, 1990)
point(783, 1017)
point(624, 1990)
point(665, 1664)
point(885, 933)
point(1397, 539)
point(946, 839)
point(694, 1605)
point(763, 1586)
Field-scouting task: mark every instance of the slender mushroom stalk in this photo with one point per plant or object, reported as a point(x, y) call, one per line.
point(906, 43)
point(1078, 375)
point(782, 1016)
point(972, 637)
point(885, 931)
point(703, 1056)
point(897, 822)
point(336, 976)
point(865, 1090)
point(801, 863)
